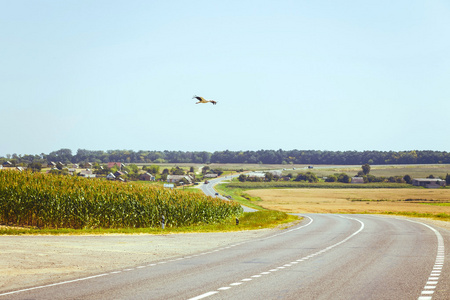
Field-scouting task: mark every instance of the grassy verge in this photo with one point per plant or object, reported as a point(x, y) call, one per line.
point(247, 221)
point(239, 195)
point(439, 216)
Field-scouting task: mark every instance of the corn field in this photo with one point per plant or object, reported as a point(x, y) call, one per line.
point(52, 201)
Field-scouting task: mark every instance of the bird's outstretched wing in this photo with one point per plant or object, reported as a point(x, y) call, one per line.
point(198, 98)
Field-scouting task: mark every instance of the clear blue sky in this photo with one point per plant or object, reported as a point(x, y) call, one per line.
point(314, 75)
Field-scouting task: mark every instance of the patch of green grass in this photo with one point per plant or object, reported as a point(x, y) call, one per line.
point(239, 195)
point(440, 216)
point(438, 204)
point(247, 221)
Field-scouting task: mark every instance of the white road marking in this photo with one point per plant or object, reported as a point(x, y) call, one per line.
point(203, 295)
point(427, 292)
point(430, 285)
point(304, 258)
point(53, 284)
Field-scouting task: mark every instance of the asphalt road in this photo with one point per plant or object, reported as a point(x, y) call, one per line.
point(324, 257)
point(208, 189)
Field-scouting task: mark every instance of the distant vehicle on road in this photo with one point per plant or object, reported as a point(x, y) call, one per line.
point(217, 194)
point(206, 181)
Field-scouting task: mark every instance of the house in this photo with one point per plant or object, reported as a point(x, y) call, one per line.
point(87, 173)
point(178, 178)
point(110, 176)
point(210, 175)
point(431, 183)
point(51, 165)
point(357, 180)
point(20, 169)
point(7, 164)
point(261, 175)
point(118, 173)
point(117, 164)
point(147, 177)
point(275, 172)
point(75, 166)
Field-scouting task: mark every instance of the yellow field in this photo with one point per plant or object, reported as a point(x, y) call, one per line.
point(340, 200)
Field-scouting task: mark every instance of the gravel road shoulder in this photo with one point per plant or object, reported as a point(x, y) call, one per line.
point(27, 261)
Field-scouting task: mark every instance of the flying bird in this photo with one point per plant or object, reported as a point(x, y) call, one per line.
point(203, 100)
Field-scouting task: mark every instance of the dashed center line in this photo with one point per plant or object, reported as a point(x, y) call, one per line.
point(433, 279)
point(295, 262)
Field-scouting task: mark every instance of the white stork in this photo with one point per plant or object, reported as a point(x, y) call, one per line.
point(203, 100)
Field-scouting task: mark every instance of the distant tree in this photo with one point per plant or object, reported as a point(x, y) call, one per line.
point(331, 178)
point(308, 176)
point(269, 176)
point(430, 176)
point(153, 169)
point(177, 171)
point(242, 178)
point(366, 169)
point(205, 169)
point(447, 179)
point(13, 162)
point(35, 166)
point(371, 178)
point(344, 178)
point(407, 179)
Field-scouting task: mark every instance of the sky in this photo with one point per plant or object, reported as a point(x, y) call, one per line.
point(310, 75)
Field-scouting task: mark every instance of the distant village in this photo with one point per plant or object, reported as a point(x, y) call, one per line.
point(122, 172)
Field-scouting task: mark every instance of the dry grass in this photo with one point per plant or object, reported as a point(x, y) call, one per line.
point(343, 200)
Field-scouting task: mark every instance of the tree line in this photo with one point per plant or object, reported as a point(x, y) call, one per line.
point(245, 157)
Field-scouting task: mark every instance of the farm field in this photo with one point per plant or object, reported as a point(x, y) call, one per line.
point(420, 201)
point(416, 171)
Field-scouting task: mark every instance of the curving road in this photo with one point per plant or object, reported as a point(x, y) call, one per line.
point(324, 257)
point(208, 189)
